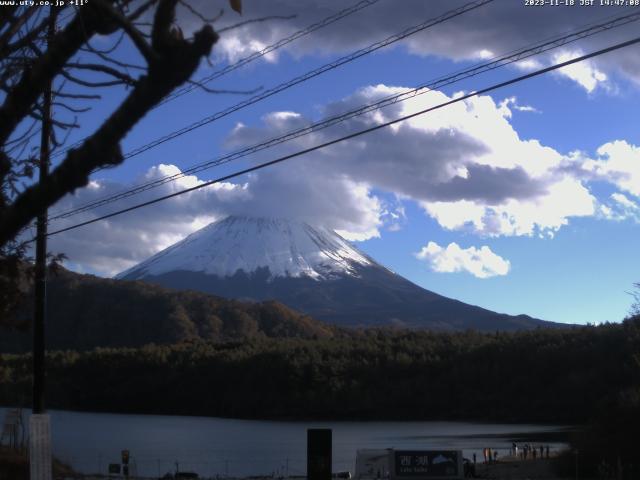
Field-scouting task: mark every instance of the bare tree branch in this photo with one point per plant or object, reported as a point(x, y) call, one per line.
point(136, 37)
point(77, 96)
point(96, 67)
point(89, 83)
point(198, 15)
point(141, 10)
point(63, 46)
point(111, 49)
point(22, 136)
point(58, 123)
point(6, 47)
point(70, 108)
point(176, 61)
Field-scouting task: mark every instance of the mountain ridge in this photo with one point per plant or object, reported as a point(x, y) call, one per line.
point(313, 270)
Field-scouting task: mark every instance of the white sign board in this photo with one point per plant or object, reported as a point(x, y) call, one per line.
point(427, 464)
point(40, 447)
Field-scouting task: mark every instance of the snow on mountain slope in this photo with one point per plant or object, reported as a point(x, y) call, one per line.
point(312, 270)
point(288, 248)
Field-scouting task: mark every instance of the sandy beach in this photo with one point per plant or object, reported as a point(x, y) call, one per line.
point(512, 468)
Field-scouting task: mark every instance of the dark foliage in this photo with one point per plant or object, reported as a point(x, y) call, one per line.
point(564, 376)
point(85, 312)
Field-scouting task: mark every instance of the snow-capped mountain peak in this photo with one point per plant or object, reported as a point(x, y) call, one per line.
point(312, 270)
point(288, 248)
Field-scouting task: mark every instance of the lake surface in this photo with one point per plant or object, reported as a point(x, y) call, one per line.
point(228, 447)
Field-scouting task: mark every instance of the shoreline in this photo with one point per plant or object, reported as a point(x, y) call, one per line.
point(559, 428)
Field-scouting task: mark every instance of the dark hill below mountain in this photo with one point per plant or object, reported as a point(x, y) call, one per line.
point(85, 311)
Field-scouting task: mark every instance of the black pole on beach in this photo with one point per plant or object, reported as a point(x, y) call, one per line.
point(319, 462)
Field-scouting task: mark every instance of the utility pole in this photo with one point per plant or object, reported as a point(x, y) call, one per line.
point(41, 265)
point(39, 423)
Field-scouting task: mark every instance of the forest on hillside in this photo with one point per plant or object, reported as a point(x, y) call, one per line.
point(84, 312)
point(587, 375)
point(545, 375)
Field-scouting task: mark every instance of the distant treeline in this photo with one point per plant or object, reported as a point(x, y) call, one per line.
point(544, 375)
point(84, 312)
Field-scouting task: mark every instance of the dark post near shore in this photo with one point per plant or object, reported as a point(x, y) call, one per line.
point(319, 462)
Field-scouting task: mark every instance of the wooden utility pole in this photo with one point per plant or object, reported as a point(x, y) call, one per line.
point(39, 424)
point(41, 246)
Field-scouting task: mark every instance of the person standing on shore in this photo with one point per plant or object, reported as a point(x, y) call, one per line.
point(547, 452)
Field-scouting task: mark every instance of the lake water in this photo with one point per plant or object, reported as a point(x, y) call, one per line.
point(228, 447)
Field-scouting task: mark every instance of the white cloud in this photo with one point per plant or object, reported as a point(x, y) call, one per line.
point(543, 215)
point(619, 164)
point(621, 208)
point(110, 246)
point(512, 103)
point(624, 201)
point(529, 64)
point(585, 73)
point(465, 165)
point(480, 262)
point(526, 108)
point(480, 33)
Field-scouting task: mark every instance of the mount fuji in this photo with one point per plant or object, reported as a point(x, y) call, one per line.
point(313, 270)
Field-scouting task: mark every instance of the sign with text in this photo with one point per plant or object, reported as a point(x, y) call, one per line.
point(430, 464)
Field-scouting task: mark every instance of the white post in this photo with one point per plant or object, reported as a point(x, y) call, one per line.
point(40, 447)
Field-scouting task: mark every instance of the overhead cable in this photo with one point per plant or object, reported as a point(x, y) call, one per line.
point(354, 135)
point(495, 63)
point(254, 56)
point(307, 76)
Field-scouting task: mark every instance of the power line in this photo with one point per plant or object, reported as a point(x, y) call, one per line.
point(270, 48)
point(356, 134)
point(307, 76)
point(495, 63)
point(252, 57)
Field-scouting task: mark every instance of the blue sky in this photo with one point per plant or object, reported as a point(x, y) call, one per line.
point(433, 200)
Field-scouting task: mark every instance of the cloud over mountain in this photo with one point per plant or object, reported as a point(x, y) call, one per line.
point(479, 262)
point(465, 166)
point(481, 33)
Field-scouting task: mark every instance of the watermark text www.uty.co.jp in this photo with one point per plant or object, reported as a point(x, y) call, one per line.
point(43, 3)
